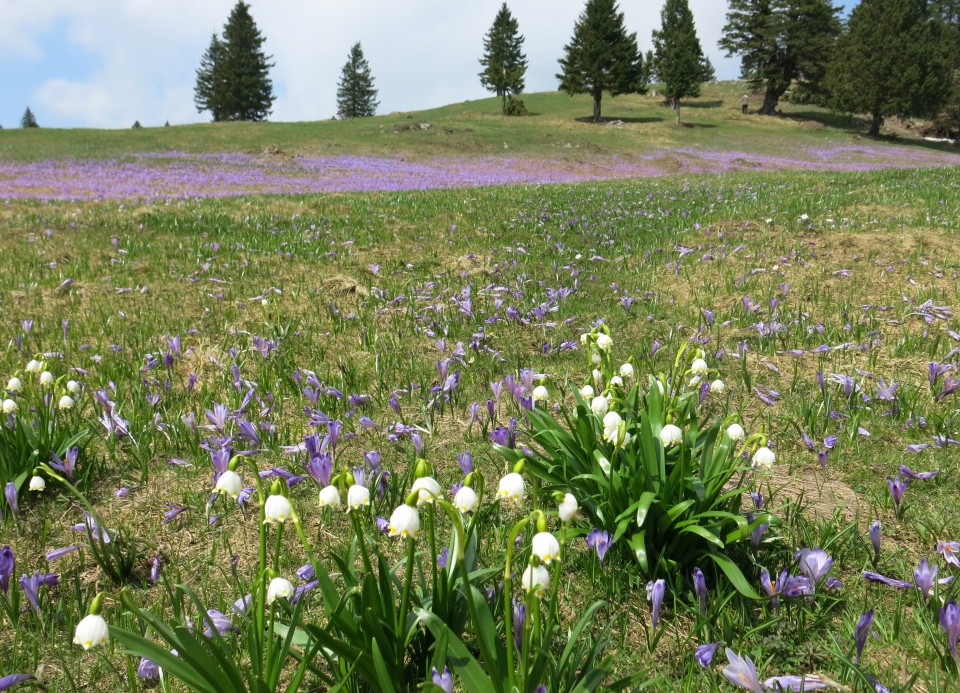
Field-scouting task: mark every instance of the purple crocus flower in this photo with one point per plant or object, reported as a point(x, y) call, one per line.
point(10, 491)
point(920, 476)
point(7, 565)
point(465, 460)
point(655, 594)
point(53, 555)
point(925, 576)
point(740, 671)
point(444, 680)
point(704, 654)
point(147, 670)
point(154, 569)
point(700, 589)
point(417, 441)
point(599, 541)
point(172, 511)
point(950, 550)
point(883, 580)
point(11, 680)
point(814, 563)
point(822, 457)
point(31, 587)
point(950, 622)
point(875, 527)
point(897, 486)
point(519, 619)
point(861, 632)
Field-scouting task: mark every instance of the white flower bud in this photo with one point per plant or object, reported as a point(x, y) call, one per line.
point(9, 406)
point(46, 378)
point(73, 387)
point(587, 392)
point(568, 507)
point(626, 371)
point(34, 366)
point(14, 385)
point(279, 588)
point(616, 381)
point(604, 341)
point(599, 405)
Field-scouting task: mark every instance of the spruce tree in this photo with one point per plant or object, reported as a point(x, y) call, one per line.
point(28, 120)
point(504, 64)
point(780, 42)
point(678, 59)
point(602, 56)
point(892, 60)
point(233, 80)
point(356, 95)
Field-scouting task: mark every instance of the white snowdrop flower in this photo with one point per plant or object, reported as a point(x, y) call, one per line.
point(357, 497)
point(73, 387)
point(764, 458)
point(587, 392)
point(37, 483)
point(699, 367)
point(616, 381)
point(568, 507)
point(695, 381)
point(404, 522)
point(599, 405)
point(66, 402)
point(91, 631)
point(540, 394)
point(329, 496)
point(718, 387)
point(427, 488)
point(46, 378)
point(466, 500)
point(804, 216)
point(535, 579)
point(597, 379)
point(545, 547)
point(511, 488)
point(604, 341)
point(595, 358)
point(229, 483)
point(671, 435)
point(9, 406)
point(14, 385)
point(34, 366)
point(626, 371)
point(264, 302)
point(584, 338)
point(277, 509)
point(735, 432)
point(279, 588)
point(611, 427)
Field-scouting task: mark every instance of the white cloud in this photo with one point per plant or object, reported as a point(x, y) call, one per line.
point(423, 53)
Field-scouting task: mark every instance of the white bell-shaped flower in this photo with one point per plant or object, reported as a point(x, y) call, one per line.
point(427, 488)
point(718, 386)
point(671, 435)
point(14, 385)
point(277, 509)
point(279, 588)
point(404, 522)
point(611, 427)
point(9, 406)
point(626, 371)
point(604, 341)
point(466, 500)
point(545, 547)
point(229, 483)
point(699, 367)
point(46, 378)
point(568, 507)
point(540, 393)
point(329, 496)
point(587, 392)
point(357, 497)
point(66, 402)
point(511, 488)
point(764, 458)
point(599, 405)
point(735, 432)
point(535, 579)
point(91, 631)
point(37, 483)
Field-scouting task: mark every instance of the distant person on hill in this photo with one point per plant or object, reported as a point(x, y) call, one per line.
point(744, 104)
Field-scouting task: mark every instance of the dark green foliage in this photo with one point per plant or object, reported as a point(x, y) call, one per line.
point(356, 95)
point(602, 56)
point(28, 120)
point(516, 107)
point(948, 121)
point(678, 59)
point(781, 42)
point(233, 80)
point(892, 60)
point(137, 125)
point(504, 64)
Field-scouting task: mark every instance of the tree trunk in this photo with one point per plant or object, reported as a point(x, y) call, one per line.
point(771, 98)
point(503, 110)
point(875, 122)
point(677, 106)
point(597, 96)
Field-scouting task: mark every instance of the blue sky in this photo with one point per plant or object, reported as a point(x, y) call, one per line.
point(107, 63)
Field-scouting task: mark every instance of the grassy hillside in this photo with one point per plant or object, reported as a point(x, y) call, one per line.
point(558, 124)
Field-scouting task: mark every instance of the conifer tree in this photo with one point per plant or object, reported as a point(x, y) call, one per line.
point(233, 80)
point(356, 95)
point(602, 56)
point(504, 64)
point(28, 120)
point(780, 42)
point(678, 59)
point(892, 60)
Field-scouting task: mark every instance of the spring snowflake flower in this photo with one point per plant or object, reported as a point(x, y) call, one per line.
point(599, 405)
point(735, 432)
point(329, 496)
point(46, 378)
point(699, 367)
point(357, 497)
point(14, 385)
point(66, 402)
point(229, 483)
point(568, 507)
point(277, 509)
point(587, 392)
point(545, 547)
point(626, 371)
point(91, 631)
point(611, 427)
point(616, 381)
point(37, 483)
point(511, 489)
point(404, 522)
point(671, 435)
point(73, 387)
point(764, 458)
point(535, 579)
point(279, 588)
point(597, 379)
point(427, 488)
point(34, 366)
point(540, 394)
point(718, 387)
point(604, 341)
point(9, 406)
point(466, 500)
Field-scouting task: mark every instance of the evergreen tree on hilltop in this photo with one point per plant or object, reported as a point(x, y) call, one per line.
point(504, 64)
point(948, 11)
point(602, 56)
point(892, 60)
point(779, 42)
point(28, 120)
point(233, 80)
point(356, 95)
point(678, 59)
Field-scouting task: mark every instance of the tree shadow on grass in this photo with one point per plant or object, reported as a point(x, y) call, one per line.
point(608, 120)
point(858, 125)
point(717, 103)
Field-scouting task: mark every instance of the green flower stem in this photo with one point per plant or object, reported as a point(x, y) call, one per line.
point(507, 593)
point(361, 541)
point(405, 597)
point(431, 519)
